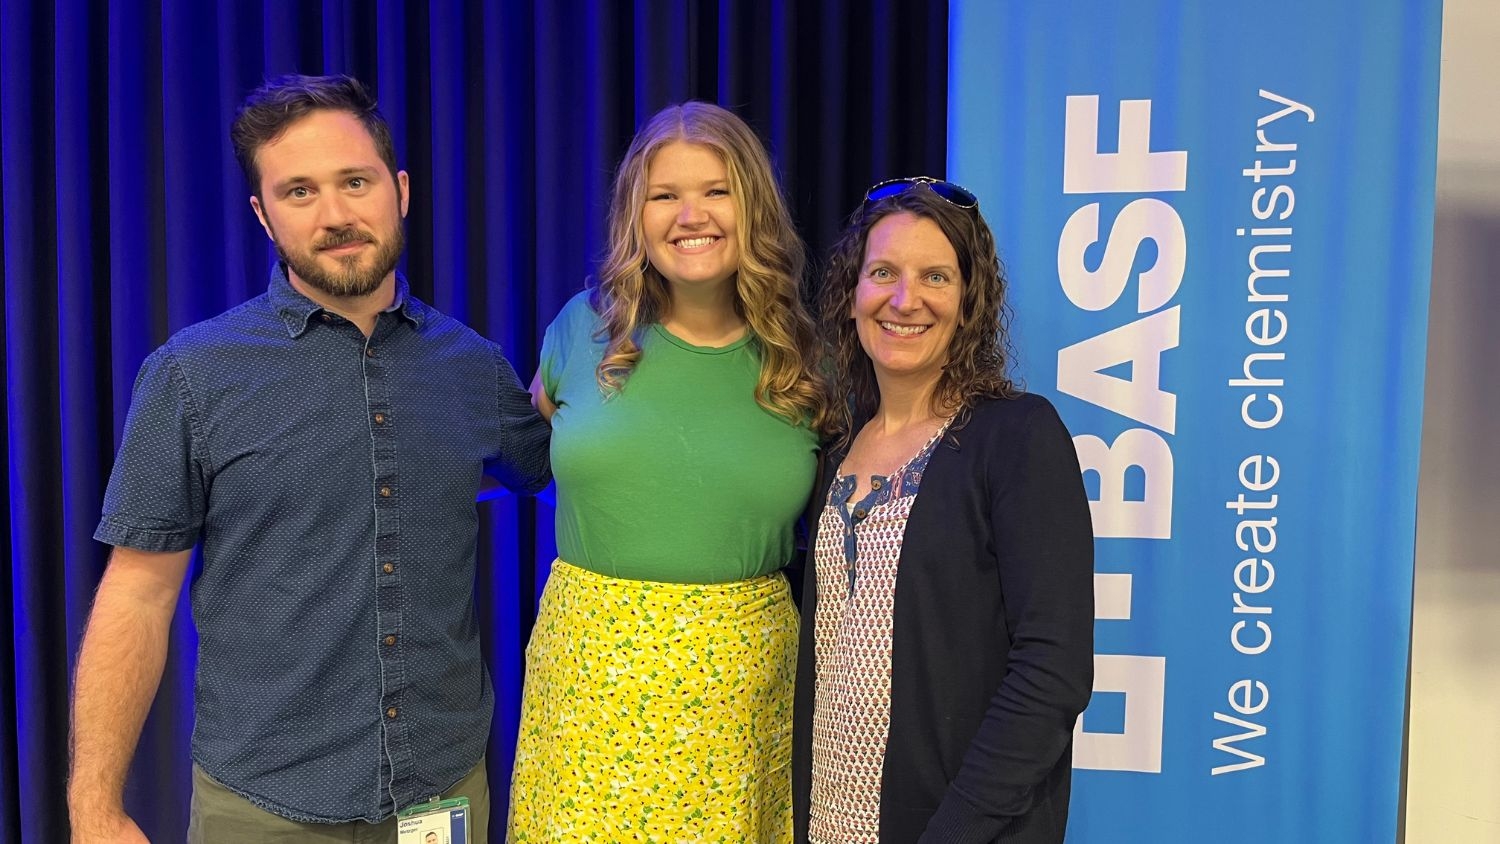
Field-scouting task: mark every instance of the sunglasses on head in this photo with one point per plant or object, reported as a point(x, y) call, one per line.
point(946, 191)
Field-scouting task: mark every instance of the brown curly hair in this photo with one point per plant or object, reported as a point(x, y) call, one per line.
point(629, 293)
point(980, 351)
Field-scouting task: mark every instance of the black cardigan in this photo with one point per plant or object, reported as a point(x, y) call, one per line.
point(993, 647)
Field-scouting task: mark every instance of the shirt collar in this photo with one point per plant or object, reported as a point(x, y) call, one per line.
point(297, 310)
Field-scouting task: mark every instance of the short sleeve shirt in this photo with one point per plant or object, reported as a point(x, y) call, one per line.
point(680, 476)
point(331, 480)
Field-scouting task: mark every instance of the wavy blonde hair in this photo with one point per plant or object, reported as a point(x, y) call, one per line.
point(629, 294)
point(979, 353)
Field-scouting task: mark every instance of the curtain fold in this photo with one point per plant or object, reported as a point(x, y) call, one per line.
point(125, 218)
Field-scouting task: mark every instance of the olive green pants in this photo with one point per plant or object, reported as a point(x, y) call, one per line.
point(219, 816)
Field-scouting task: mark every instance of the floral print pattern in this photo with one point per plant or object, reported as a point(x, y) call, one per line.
point(656, 712)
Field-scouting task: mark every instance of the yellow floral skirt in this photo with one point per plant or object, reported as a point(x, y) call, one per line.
point(656, 712)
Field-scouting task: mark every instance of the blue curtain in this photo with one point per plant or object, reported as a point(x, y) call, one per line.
point(125, 218)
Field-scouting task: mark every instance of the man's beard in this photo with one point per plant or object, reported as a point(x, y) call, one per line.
point(350, 279)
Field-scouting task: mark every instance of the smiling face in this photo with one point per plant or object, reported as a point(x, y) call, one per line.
point(331, 206)
point(688, 220)
point(907, 301)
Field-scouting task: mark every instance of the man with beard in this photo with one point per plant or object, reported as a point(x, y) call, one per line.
point(324, 443)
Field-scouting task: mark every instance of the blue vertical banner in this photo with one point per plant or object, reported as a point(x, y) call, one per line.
point(1217, 223)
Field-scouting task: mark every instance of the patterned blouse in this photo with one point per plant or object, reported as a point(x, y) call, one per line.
point(859, 545)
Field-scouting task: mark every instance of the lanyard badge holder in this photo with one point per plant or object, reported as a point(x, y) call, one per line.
point(437, 822)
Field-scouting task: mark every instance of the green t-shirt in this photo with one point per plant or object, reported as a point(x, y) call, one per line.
point(679, 477)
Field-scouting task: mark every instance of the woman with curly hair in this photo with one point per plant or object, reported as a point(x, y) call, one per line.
point(685, 407)
point(947, 644)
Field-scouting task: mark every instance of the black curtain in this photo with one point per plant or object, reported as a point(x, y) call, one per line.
point(125, 218)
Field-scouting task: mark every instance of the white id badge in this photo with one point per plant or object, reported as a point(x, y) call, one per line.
point(438, 822)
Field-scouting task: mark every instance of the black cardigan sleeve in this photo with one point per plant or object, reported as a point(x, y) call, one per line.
point(1043, 543)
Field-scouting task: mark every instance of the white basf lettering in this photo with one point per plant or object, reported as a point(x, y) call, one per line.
point(1141, 220)
point(1133, 168)
point(1114, 516)
point(1120, 512)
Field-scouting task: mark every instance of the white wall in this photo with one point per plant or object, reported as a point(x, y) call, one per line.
point(1453, 766)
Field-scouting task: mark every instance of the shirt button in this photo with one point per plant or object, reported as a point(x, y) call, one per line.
point(876, 483)
point(387, 568)
point(385, 492)
point(380, 419)
point(390, 713)
point(369, 351)
point(860, 513)
point(390, 640)
point(327, 318)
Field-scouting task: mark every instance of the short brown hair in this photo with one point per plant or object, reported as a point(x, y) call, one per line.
point(980, 351)
point(276, 105)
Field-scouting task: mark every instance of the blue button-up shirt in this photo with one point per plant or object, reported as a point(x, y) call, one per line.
point(331, 478)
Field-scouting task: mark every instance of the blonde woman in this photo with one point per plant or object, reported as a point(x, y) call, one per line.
point(685, 408)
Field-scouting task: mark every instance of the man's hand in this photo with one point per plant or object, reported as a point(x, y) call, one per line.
point(111, 828)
